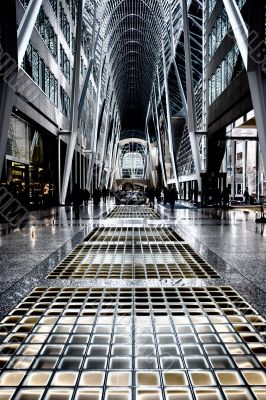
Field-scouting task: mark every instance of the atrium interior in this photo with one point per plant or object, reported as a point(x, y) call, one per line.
point(132, 195)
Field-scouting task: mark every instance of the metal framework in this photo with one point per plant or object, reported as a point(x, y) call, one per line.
point(137, 57)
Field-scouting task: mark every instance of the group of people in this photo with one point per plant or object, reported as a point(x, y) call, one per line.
point(81, 197)
point(166, 195)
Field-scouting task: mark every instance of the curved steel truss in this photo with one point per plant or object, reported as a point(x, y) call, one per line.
point(130, 35)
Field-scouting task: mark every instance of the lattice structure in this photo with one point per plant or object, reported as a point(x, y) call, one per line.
point(123, 344)
point(127, 260)
point(130, 234)
point(133, 212)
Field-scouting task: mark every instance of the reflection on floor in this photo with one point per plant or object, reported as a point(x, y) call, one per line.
point(133, 343)
point(125, 259)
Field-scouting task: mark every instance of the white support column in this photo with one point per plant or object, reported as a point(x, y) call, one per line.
point(151, 163)
point(106, 130)
point(169, 121)
point(26, 27)
point(191, 120)
point(112, 147)
point(179, 82)
point(116, 152)
point(96, 120)
point(59, 167)
point(159, 140)
point(239, 28)
point(74, 106)
point(257, 81)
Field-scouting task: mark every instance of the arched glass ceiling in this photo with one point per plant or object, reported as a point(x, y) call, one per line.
point(129, 37)
point(132, 160)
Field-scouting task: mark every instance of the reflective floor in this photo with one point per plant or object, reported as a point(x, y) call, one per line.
point(133, 303)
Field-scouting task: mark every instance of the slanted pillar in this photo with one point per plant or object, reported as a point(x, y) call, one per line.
point(26, 27)
point(169, 120)
point(73, 126)
point(191, 120)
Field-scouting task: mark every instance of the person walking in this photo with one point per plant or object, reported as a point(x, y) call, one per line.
point(172, 198)
point(246, 195)
point(151, 195)
point(105, 193)
point(76, 199)
point(96, 197)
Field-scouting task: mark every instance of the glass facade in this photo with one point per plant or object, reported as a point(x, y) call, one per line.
point(54, 4)
point(36, 68)
point(47, 32)
point(64, 63)
point(64, 102)
point(64, 24)
point(230, 67)
point(219, 31)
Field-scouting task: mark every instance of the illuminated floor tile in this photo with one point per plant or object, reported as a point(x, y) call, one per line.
point(172, 343)
point(133, 212)
point(130, 260)
point(129, 234)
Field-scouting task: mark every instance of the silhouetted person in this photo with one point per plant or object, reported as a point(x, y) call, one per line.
point(226, 196)
point(246, 195)
point(172, 195)
point(86, 196)
point(76, 199)
point(96, 197)
point(151, 195)
point(165, 195)
point(105, 193)
point(158, 194)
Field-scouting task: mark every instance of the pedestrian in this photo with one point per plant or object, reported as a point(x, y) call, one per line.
point(86, 194)
point(226, 196)
point(151, 195)
point(165, 195)
point(246, 195)
point(105, 193)
point(172, 197)
point(76, 199)
point(158, 194)
point(97, 194)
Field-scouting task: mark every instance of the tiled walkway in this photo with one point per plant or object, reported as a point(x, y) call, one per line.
point(138, 305)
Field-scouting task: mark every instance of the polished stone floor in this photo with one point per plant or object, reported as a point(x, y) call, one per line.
point(132, 303)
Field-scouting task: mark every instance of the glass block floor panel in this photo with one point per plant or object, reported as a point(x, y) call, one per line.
point(144, 344)
point(133, 261)
point(129, 234)
point(132, 212)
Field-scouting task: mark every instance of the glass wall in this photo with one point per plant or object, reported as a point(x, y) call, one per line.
point(64, 63)
point(35, 67)
point(64, 102)
point(230, 67)
point(47, 32)
point(64, 24)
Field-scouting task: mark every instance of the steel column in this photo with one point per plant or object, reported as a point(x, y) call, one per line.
point(96, 121)
point(169, 121)
point(26, 27)
point(191, 120)
point(73, 126)
point(239, 28)
point(159, 139)
point(253, 60)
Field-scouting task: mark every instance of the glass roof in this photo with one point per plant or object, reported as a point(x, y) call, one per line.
point(129, 37)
